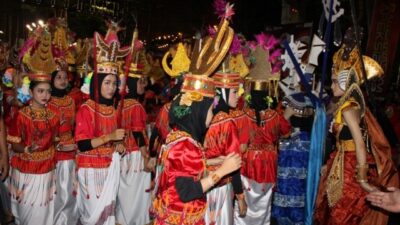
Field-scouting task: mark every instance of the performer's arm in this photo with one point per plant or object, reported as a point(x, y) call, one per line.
point(352, 119)
point(89, 144)
point(188, 189)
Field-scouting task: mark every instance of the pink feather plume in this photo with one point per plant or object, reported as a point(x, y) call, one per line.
point(235, 46)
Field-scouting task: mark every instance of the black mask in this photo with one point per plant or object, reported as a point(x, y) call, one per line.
point(193, 123)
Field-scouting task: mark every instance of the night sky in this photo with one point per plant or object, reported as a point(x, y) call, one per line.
point(155, 17)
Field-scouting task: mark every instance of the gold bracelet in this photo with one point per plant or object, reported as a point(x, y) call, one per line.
point(362, 171)
point(27, 149)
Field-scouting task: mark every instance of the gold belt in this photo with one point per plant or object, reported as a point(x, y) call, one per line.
point(348, 145)
point(39, 155)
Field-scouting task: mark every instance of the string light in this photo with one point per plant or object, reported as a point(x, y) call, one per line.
point(29, 27)
point(40, 22)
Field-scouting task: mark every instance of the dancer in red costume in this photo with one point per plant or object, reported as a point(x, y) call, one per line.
point(65, 202)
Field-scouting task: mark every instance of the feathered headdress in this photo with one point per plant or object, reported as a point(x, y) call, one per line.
point(265, 74)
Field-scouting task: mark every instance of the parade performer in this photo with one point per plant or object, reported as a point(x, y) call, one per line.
point(265, 127)
point(180, 191)
point(289, 206)
point(65, 211)
point(65, 202)
point(133, 200)
point(222, 139)
point(33, 138)
point(289, 198)
point(179, 66)
point(97, 136)
point(353, 169)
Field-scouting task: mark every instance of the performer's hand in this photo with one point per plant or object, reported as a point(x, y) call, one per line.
point(4, 166)
point(151, 165)
point(242, 207)
point(120, 148)
point(117, 135)
point(389, 201)
point(231, 163)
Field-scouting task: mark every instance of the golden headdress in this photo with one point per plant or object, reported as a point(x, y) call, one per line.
point(231, 77)
point(61, 44)
point(261, 77)
point(341, 68)
point(136, 67)
point(179, 64)
point(347, 69)
point(347, 58)
point(39, 61)
point(206, 56)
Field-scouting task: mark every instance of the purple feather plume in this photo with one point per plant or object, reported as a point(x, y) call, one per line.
point(219, 7)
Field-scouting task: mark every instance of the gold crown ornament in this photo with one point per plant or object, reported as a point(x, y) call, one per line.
point(341, 68)
point(227, 79)
point(42, 58)
point(179, 64)
point(206, 56)
point(40, 76)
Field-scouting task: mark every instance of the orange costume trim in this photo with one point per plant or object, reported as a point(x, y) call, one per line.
point(183, 157)
point(133, 120)
point(339, 189)
point(260, 159)
point(66, 109)
point(35, 127)
point(241, 122)
point(88, 128)
point(220, 140)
